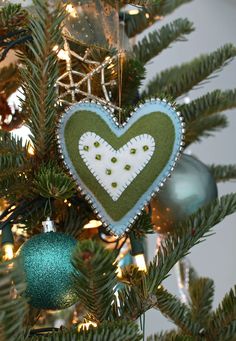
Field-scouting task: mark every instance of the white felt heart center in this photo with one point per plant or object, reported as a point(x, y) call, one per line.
point(115, 169)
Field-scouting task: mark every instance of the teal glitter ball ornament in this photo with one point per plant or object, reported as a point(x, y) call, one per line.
point(46, 259)
point(190, 187)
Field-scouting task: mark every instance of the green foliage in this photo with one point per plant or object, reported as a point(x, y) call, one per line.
point(132, 76)
point(106, 331)
point(12, 305)
point(150, 46)
point(95, 279)
point(51, 182)
point(14, 164)
point(211, 103)
point(201, 293)
point(140, 293)
point(178, 80)
point(223, 322)
point(12, 17)
point(13, 155)
point(223, 173)
point(148, 15)
point(39, 75)
point(143, 225)
point(170, 336)
point(189, 233)
point(178, 312)
point(204, 127)
point(200, 115)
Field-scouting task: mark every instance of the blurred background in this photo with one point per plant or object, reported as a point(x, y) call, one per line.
point(215, 25)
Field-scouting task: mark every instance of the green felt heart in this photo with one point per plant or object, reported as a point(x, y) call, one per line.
point(156, 120)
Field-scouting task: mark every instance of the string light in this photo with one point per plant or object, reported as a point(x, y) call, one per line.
point(30, 149)
point(140, 262)
point(137, 252)
point(133, 11)
point(71, 10)
point(92, 224)
point(7, 243)
point(8, 251)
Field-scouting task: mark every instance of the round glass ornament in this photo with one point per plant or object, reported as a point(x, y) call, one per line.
point(190, 187)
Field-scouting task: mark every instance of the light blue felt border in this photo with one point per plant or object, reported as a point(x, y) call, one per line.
point(119, 227)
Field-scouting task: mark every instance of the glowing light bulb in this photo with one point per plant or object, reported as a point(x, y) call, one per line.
point(8, 251)
point(139, 261)
point(30, 149)
point(71, 10)
point(92, 224)
point(133, 12)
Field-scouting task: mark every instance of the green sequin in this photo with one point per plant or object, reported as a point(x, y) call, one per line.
point(132, 151)
point(127, 167)
point(108, 171)
point(86, 148)
point(113, 159)
point(145, 148)
point(114, 184)
point(96, 144)
point(98, 157)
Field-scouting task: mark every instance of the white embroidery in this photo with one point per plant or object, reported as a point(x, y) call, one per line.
point(115, 169)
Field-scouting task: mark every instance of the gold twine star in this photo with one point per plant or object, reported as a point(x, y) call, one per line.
point(67, 85)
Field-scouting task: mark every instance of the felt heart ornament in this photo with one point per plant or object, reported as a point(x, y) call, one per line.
point(120, 167)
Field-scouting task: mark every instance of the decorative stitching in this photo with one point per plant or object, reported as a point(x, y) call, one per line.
point(115, 161)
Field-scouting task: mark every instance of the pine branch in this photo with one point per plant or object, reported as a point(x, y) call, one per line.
point(143, 226)
point(170, 336)
point(204, 127)
point(107, 331)
point(171, 307)
point(133, 74)
point(211, 103)
point(139, 295)
point(223, 322)
point(95, 278)
point(14, 157)
point(39, 76)
point(12, 18)
point(157, 41)
point(223, 173)
point(147, 16)
point(201, 293)
point(51, 182)
point(189, 233)
point(228, 333)
point(12, 305)
point(178, 80)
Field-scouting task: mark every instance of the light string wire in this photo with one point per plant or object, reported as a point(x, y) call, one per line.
point(120, 65)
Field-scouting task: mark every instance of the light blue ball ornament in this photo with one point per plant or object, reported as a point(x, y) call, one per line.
point(46, 260)
point(190, 187)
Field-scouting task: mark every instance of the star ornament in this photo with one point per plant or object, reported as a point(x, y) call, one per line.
point(74, 82)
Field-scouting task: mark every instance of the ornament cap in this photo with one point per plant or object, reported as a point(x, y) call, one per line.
point(48, 225)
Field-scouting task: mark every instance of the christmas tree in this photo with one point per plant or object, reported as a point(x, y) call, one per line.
point(94, 172)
